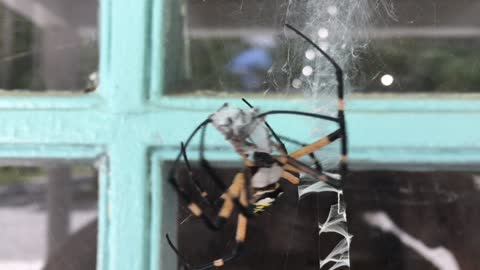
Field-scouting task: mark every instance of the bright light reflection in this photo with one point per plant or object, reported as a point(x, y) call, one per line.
point(332, 10)
point(323, 33)
point(296, 83)
point(310, 54)
point(387, 79)
point(307, 71)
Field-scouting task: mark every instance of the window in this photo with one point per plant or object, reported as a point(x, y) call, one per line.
point(394, 47)
point(42, 205)
point(411, 71)
point(155, 87)
point(48, 45)
point(385, 208)
point(48, 185)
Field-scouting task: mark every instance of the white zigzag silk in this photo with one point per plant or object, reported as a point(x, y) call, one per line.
point(336, 222)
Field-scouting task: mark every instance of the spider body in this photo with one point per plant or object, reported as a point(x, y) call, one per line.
point(240, 126)
point(251, 137)
point(266, 161)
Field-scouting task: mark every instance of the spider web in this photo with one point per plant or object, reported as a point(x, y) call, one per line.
point(335, 25)
point(338, 27)
point(335, 222)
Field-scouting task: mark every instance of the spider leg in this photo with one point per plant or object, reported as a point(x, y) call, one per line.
point(233, 194)
point(171, 175)
point(192, 206)
point(332, 136)
point(291, 164)
point(206, 165)
point(198, 186)
point(306, 149)
point(228, 197)
point(312, 156)
point(240, 189)
point(277, 138)
point(309, 149)
point(315, 115)
point(338, 134)
point(239, 237)
point(290, 177)
point(213, 175)
point(341, 103)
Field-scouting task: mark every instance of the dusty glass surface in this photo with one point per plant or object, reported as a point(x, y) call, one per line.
point(384, 46)
point(48, 45)
point(48, 216)
point(399, 220)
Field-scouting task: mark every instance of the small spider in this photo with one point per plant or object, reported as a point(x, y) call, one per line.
point(266, 162)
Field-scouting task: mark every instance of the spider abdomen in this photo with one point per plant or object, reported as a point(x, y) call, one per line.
point(266, 176)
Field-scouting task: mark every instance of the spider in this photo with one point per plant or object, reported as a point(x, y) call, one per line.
point(266, 162)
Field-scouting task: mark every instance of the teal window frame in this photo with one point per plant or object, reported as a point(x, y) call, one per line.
point(130, 130)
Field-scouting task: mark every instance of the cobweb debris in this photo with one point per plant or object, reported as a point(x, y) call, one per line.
point(336, 222)
point(340, 256)
point(339, 27)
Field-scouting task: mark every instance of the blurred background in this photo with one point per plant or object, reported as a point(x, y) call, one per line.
point(48, 44)
point(400, 46)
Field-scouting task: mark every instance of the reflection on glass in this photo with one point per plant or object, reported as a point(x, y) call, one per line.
point(43, 212)
point(399, 220)
point(242, 46)
point(47, 44)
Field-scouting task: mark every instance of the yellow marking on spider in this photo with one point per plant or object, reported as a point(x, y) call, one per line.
point(260, 208)
point(262, 204)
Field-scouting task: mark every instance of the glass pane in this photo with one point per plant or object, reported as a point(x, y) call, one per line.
point(48, 45)
point(426, 46)
point(383, 46)
point(399, 220)
point(220, 38)
point(48, 216)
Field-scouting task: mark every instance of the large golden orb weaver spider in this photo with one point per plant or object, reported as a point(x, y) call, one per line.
point(266, 162)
